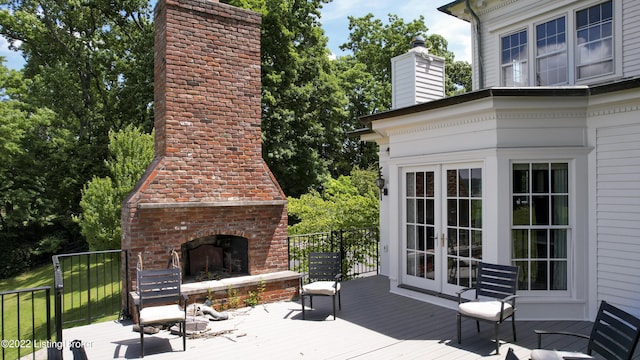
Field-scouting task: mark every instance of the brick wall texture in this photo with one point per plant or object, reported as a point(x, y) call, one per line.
point(208, 176)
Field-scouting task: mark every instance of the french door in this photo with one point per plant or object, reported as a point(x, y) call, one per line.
point(442, 216)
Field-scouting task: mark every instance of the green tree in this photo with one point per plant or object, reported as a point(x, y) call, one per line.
point(131, 151)
point(373, 43)
point(303, 103)
point(91, 64)
point(350, 201)
point(26, 139)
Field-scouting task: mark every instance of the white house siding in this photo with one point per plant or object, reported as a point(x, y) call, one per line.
point(631, 36)
point(618, 215)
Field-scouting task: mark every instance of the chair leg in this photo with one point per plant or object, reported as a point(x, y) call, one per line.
point(513, 327)
point(459, 321)
point(302, 301)
point(497, 339)
point(334, 306)
point(339, 301)
point(184, 336)
point(478, 325)
point(141, 340)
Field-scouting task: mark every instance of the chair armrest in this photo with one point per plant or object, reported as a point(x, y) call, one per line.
point(544, 332)
point(185, 298)
point(338, 277)
point(459, 293)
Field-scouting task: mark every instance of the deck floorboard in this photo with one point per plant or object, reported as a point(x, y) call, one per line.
point(373, 324)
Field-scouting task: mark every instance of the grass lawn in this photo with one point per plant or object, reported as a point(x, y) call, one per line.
point(24, 315)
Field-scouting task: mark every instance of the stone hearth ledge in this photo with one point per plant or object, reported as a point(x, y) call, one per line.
point(240, 281)
point(211, 204)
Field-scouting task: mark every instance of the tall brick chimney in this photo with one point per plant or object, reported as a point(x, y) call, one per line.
point(208, 183)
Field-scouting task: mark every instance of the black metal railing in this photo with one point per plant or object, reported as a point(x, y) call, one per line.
point(25, 327)
point(88, 287)
point(359, 249)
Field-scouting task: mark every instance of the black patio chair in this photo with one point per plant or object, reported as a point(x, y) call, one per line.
point(325, 274)
point(614, 336)
point(158, 301)
point(511, 355)
point(495, 298)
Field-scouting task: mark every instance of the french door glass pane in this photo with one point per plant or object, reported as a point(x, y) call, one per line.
point(411, 211)
point(464, 224)
point(463, 212)
point(476, 182)
point(411, 184)
point(411, 237)
point(476, 213)
point(420, 184)
point(420, 219)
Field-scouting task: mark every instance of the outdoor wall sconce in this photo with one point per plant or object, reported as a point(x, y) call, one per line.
point(380, 183)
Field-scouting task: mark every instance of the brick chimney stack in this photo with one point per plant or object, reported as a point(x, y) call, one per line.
point(208, 180)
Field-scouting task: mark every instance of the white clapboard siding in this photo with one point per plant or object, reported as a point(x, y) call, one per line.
point(631, 36)
point(417, 77)
point(618, 215)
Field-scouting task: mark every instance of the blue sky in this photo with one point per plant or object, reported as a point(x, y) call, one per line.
point(335, 24)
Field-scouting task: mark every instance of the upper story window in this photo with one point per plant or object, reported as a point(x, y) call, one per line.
point(514, 59)
point(551, 53)
point(594, 41)
point(570, 48)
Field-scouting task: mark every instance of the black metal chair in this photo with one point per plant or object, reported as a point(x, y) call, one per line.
point(158, 301)
point(614, 336)
point(511, 355)
point(325, 274)
point(495, 298)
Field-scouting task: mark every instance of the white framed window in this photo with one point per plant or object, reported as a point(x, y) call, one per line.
point(551, 53)
point(573, 46)
point(594, 41)
point(514, 59)
point(540, 229)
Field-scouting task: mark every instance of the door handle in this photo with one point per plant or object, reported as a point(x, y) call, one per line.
point(442, 237)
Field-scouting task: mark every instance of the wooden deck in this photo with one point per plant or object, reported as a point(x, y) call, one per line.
point(373, 324)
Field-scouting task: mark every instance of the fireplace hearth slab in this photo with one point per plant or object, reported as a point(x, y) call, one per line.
point(166, 205)
point(239, 281)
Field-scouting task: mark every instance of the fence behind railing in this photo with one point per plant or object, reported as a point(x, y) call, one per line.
point(88, 287)
point(359, 249)
point(26, 328)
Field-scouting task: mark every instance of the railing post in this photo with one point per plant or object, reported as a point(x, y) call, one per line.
point(125, 289)
point(58, 289)
point(48, 295)
point(89, 288)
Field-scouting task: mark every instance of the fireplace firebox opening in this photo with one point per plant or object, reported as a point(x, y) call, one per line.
point(215, 257)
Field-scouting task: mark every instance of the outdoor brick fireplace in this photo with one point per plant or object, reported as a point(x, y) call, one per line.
point(208, 193)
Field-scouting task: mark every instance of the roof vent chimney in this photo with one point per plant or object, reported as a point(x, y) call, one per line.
point(416, 76)
point(418, 41)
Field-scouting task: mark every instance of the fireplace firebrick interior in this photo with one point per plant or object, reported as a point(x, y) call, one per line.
point(215, 257)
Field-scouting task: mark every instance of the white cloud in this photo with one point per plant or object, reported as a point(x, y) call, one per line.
point(456, 31)
point(13, 59)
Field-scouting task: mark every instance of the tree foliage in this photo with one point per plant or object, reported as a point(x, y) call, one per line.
point(91, 64)
point(130, 151)
point(373, 43)
point(303, 104)
point(350, 201)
